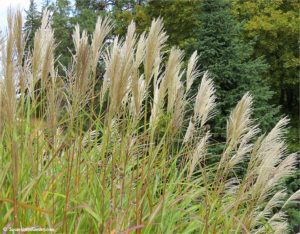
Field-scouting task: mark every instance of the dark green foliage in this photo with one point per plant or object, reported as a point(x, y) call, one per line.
point(32, 23)
point(228, 59)
point(293, 182)
point(292, 185)
point(87, 12)
point(62, 30)
point(180, 19)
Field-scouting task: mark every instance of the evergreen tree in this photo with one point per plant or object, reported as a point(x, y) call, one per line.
point(62, 30)
point(228, 59)
point(87, 12)
point(32, 23)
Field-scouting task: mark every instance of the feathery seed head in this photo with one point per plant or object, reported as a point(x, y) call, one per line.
point(154, 45)
point(205, 101)
point(239, 122)
point(172, 76)
point(102, 29)
point(192, 72)
point(199, 153)
point(189, 132)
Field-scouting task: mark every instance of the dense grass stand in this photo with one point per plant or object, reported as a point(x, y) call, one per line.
point(129, 151)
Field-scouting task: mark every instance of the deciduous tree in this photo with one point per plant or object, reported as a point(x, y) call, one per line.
point(274, 26)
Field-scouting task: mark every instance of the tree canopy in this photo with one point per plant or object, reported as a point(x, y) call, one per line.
point(274, 28)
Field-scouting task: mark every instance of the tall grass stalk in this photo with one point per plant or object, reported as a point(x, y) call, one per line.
point(132, 155)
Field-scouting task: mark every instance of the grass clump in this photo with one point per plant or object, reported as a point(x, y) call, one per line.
point(126, 157)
